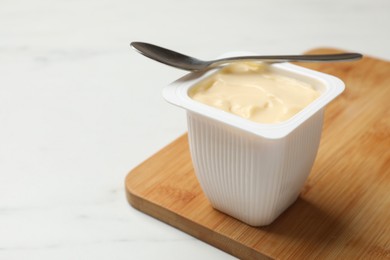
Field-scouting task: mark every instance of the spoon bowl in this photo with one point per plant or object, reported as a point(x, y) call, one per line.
point(185, 62)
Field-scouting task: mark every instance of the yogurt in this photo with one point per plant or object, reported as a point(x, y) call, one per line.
point(254, 92)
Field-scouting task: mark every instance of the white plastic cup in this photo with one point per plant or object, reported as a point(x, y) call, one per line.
point(248, 170)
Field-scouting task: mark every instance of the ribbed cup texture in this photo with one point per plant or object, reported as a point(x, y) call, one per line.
point(251, 178)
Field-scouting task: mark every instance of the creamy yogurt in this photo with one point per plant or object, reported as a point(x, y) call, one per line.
point(252, 91)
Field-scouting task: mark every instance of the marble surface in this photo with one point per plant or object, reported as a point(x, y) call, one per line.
point(79, 108)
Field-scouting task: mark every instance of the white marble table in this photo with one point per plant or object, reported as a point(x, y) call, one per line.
point(79, 108)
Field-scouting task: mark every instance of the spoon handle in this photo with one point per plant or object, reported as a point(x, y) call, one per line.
point(289, 58)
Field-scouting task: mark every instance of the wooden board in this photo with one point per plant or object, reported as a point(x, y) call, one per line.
point(343, 210)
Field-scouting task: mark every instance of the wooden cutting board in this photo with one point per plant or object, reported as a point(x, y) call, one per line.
point(343, 210)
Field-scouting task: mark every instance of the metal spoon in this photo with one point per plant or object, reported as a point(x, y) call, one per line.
point(185, 62)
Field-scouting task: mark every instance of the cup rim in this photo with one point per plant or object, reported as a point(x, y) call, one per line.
point(176, 93)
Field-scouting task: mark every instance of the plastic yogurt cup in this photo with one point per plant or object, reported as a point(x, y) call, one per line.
point(248, 170)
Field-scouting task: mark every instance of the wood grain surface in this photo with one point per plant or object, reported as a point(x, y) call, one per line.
point(343, 211)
